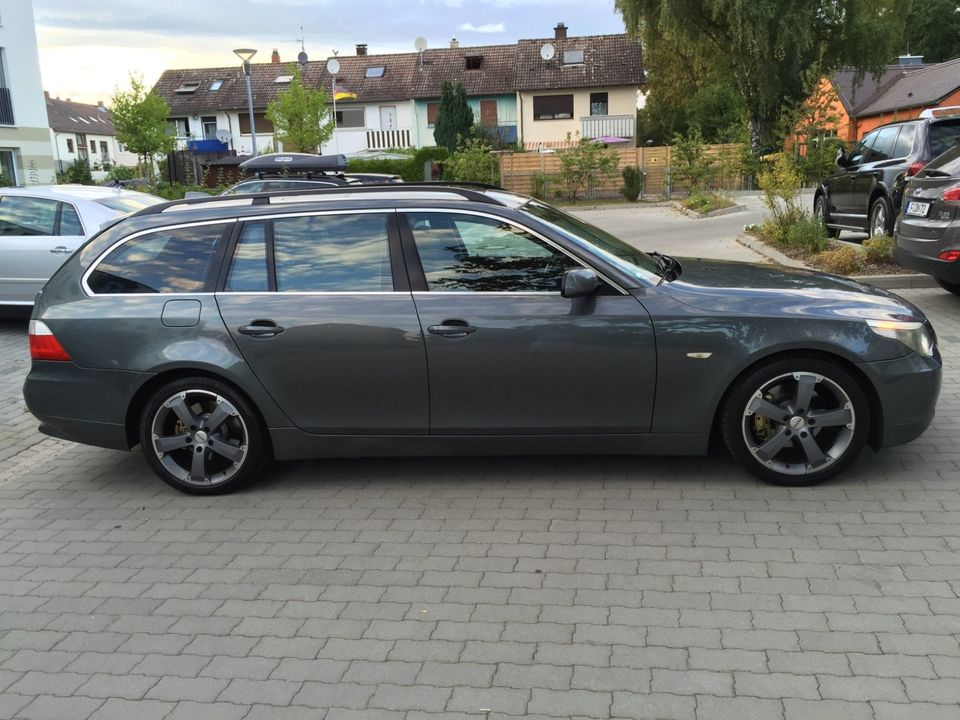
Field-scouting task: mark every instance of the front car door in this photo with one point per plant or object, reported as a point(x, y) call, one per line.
point(320, 308)
point(36, 236)
point(870, 173)
point(840, 188)
point(507, 354)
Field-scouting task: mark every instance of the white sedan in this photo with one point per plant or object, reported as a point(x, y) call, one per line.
point(42, 225)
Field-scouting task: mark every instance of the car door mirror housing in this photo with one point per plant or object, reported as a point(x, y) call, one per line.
point(579, 282)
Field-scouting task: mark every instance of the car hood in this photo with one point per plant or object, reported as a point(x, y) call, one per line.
point(755, 289)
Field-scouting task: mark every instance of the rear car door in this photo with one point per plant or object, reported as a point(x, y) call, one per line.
point(320, 307)
point(507, 354)
point(36, 236)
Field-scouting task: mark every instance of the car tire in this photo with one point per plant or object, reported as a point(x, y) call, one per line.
point(949, 286)
point(201, 436)
point(801, 445)
point(823, 215)
point(881, 218)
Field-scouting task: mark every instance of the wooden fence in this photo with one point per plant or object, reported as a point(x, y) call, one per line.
point(519, 171)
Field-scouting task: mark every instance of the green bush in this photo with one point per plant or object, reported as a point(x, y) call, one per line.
point(806, 235)
point(474, 163)
point(122, 172)
point(632, 183)
point(582, 164)
point(879, 250)
point(690, 162)
point(705, 202)
point(411, 169)
point(176, 191)
point(538, 185)
point(78, 172)
point(841, 261)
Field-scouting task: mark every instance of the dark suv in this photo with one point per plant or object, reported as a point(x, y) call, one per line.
point(866, 194)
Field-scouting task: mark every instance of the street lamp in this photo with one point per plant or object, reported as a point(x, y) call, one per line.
point(246, 54)
point(333, 67)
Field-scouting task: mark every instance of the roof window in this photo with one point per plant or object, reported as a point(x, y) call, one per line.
point(188, 87)
point(573, 57)
point(473, 62)
point(283, 78)
point(375, 72)
point(216, 85)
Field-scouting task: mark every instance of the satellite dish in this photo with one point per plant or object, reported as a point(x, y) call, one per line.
point(224, 136)
point(420, 44)
point(548, 51)
point(333, 66)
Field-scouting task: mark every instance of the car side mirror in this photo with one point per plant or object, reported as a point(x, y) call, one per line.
point(841, 159)
point(579, 282)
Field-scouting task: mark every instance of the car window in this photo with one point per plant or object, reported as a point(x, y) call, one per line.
point(248, 271)
point(882, 147)
point(21, 215)
point(332, 253)
point(948, 162)
point(469, 252)
point(69, 220)
point(943, 136)
point(244, 187)
point(904, 144)
point(168, 261)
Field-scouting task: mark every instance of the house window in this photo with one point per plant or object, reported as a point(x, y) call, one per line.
point(473, 62)
point(488, 113)
point(350, 117)
point(70, 145)
point(209, 127)
point(216, 85)
point(573, 57)
point(93, 147)
point(433, 109)
point(181, 127)
point(82, 146)
point(8, 168)
point(263, 125)
point(553, 107)
point(6, 106)
point(187, 87)
point(375, 72)
point(104, 150)
point(599, 104)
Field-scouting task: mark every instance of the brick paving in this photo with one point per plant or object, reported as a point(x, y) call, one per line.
point(482, 587)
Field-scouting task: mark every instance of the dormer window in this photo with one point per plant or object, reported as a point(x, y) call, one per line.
point(283, 78)
point(473, 62)
point(375, 72)
point(216, 85)
point(187, 87)
point(573, 57)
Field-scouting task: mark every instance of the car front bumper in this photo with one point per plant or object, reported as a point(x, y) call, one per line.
point(907, 389)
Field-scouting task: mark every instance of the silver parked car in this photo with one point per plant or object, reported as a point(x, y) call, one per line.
point(41, 226)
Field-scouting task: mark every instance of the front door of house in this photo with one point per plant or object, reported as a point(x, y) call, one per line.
point(388, 117)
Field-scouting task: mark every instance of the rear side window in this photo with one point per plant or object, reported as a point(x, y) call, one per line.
point(904, 144)
point(882, 147)
point(70, 221)
point(332, 253)
point(248, 271)
point(943, 136)
point(166, 261)
point(21, 215)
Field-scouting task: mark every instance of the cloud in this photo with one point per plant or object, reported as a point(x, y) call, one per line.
point(486, 28)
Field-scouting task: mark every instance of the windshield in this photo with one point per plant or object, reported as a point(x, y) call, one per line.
point(626, 257)
point(129, 203)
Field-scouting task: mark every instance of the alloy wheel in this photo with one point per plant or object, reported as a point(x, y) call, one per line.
point(878, 224)
point(199, 437)
point(798, 423)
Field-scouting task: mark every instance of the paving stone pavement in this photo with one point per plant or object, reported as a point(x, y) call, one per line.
point(583, 587)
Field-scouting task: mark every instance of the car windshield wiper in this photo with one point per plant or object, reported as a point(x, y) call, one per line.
point(667, 265)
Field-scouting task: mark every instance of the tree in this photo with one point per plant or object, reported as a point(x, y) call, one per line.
point(931, 29)
point(582, 162)
point(690, 161)
point(300, 117)
point(474, 163)
point(140, 119)
point(454, 117)
point(771, 50)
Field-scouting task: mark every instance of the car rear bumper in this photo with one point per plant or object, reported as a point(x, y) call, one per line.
point(81, 404)
point(920, 254)
point(907, 389)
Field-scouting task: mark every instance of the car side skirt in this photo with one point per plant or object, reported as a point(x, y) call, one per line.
point(294, 444)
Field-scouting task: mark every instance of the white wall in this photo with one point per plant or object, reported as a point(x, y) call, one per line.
point(115, 156)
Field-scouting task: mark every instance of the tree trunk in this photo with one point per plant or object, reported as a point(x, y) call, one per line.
point(756, 135)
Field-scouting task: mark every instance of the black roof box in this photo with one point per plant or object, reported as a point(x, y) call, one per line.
point(295, 163)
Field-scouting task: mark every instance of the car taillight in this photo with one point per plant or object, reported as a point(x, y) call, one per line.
point(951, 195)
point(915, 168)
point(950, 255)
point(44, 345)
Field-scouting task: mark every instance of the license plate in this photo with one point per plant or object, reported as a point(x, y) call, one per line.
point(920, 209)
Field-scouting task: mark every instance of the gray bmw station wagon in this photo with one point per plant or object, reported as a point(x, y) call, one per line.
point(436, 320)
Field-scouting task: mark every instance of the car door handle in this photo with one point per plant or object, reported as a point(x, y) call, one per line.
point(452, 328)
point(260, 328)
point(60, 250)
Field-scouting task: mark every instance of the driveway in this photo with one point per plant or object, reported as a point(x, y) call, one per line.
point(589, 587)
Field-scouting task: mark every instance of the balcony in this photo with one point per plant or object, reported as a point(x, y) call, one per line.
point(6, 107)
point(386, 139)
point(595, 126)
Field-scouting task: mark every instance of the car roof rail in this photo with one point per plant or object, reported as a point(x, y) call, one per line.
point(940, 113)
point(466, 190)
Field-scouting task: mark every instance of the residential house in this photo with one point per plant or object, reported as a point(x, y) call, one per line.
point(85, 132)
point(487, 73)
point(586, 86)
point(26, 153)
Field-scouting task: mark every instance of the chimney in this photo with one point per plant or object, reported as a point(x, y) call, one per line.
point(560, 31)
point(275, 58)
point(46, 94)
point(361, 48)
point(454, 43)
point(910, 60)
point(100, 106)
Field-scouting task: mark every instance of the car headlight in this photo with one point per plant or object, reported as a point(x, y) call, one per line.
point(914, 335)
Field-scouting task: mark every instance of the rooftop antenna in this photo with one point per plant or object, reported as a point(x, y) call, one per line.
point(302, 55)
point(420, 44)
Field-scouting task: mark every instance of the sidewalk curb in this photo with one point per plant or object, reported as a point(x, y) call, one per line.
point(712, 214)
point(886, 282)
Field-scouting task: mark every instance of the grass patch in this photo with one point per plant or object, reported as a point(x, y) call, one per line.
point(706, 202)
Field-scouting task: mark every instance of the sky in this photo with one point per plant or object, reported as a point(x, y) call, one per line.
point(88, 48)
